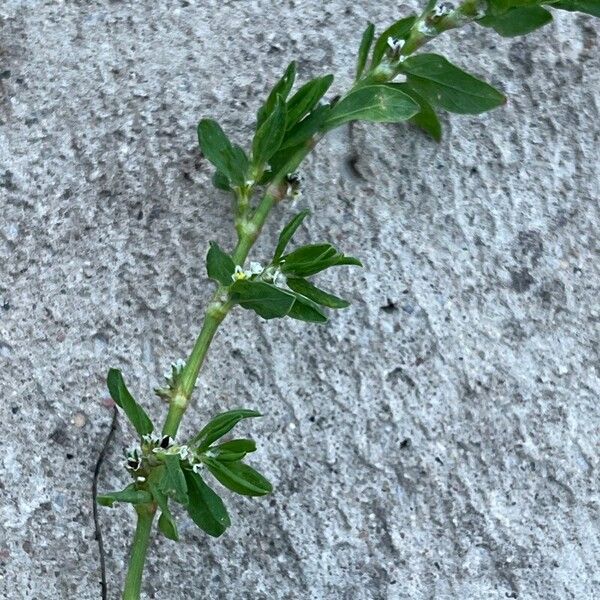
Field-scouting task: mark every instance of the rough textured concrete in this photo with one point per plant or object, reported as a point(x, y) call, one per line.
point(439, 439)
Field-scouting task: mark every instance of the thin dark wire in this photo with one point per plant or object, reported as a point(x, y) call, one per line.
point(97, 530)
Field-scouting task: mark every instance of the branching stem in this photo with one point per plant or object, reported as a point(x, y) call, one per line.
point(248, 227)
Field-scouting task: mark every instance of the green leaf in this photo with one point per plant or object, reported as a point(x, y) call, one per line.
point(306, 255)
point(205, 508)
point(306, 288)
point(220, 425)
point(281, 88)
point(130, 494)
point(123, 399)
point(219, 265)
point(518, 21)
point(166, 522)
point(363, 50)
point(306, 98)
point(376, 103)
point(239, 477)
point(239, 445)
point(288, 232)
point(266, 300)
point(399, 30)
point(220, 181)
point(307, 310)
point(269, 135)
point(591, 7)
point(172, 481)
point(167, 526)
point(234, 450)
point(313, 258)
point(285, 162)
point(426, 118)
point(448, 87)
point(306, 128)
point(230, 160)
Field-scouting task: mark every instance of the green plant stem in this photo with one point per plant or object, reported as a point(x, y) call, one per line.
point(216, 312)
point(139, 549)
point(221, 304)
point(248, 229)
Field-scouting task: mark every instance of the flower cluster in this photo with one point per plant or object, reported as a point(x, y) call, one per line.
point(270, 274)
point(240, 273)
point(274, 275)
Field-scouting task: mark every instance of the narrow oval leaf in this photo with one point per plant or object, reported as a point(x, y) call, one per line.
point(230, 160)
point(219, 265)
point(288, 232)
point(269, 135)
point(266, 300)
point(305, 129)
point(130, 495)
point(167, 526)
point(591, 7)
point(205, 508)
point(166, 522)
point(239, 478)
point(172, 483)
point(376, 103)
point(426, 118)
point(123, 399)
point(363, 50)
point(306, 98)
point(313, 258)
point(281, 88)
point(338, 260)
point(221, 181)
point(306, 310)
point(286, 161)
point(399, 30)
point(240, 445)
point(220, 425)
point(444, 85)
point(233, 450)
point(306, 288)
point(307, 255)
point(518, 21)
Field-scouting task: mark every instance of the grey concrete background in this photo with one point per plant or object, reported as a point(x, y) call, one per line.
point(438, 440)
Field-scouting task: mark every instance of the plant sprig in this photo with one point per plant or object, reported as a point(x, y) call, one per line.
point(289, 124)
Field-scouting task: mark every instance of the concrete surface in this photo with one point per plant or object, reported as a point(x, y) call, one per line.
point(438, 440)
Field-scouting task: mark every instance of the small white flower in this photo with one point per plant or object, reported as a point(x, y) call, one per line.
point(184, 452)
point(238, 274)
point(395, 44)
point(255, 269)
point(197, 467)
point(141, 479)
point(442, 10)
point(152, 439)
